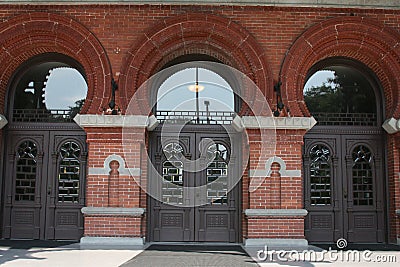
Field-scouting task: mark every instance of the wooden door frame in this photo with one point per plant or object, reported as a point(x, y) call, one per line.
point(52, 206)
point(45, 129)
point(194, 129)
point(9, 179)
point(340, 133)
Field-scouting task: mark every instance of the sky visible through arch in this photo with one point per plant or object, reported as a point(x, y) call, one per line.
point(174, 93)
point(319, 78)
point(65, 86)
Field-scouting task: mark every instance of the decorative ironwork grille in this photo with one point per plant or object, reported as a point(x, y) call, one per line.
point(25, 182)
point(320, 175)
point(172, 186)
point(191, 117)
point(69, 173)
point(348, 119)
point(362, 177)
point(43, 115)
point(217, 174)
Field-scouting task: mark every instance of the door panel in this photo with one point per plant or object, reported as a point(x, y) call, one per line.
point(169, 221)
point(216, 221)
point(365, 191)
point(65, 186)
point(33, 206)
point(352, 166)
point(25, 172)
point(187, 219)
point(321, 198)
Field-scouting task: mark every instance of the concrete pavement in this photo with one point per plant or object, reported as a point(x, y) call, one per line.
point(63, 256)
point(56, 254)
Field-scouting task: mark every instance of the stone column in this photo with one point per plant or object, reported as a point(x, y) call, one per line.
point(392, 127)
point(114, 216)
point(275, 214)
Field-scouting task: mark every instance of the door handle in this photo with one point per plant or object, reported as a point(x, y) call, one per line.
point(345, 194)
point(49, 190)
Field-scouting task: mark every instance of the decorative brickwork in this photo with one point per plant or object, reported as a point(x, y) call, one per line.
point(28, 35)
point(130, 43)
point(195, 33)
point(265, 227)
point(112, 226)
point(359, 38)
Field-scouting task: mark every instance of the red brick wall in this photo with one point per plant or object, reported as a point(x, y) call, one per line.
point(276, 227)
point(273, 43)
point(114, 189)
point(276, 191)
point(393, 163)
point(121, 28)
point(111, 226)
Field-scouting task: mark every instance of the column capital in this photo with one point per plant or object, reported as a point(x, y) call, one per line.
point(3, 121)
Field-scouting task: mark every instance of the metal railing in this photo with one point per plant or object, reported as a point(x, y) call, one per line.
point(347, 119)
point(43, 115)
point(192, 117)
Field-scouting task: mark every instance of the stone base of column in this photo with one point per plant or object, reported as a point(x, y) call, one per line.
point(112, 227)
point(276, 243)
point(276, 228)
point(89, 242)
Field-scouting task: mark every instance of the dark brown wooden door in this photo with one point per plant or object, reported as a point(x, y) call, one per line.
point(344, 188)
point(199, 205)
point(44, 184)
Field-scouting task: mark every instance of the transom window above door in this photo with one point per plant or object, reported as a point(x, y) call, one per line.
point(48, 91)
point(341, 95)
point(195, 95)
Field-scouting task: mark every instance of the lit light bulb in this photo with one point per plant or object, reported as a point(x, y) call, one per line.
point(196, 88)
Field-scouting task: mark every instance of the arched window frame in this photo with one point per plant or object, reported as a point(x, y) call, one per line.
point(364, 70)
point(26, 66)
point(193, 61)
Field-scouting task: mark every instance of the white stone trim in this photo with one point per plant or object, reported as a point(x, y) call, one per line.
point(106, 169)
point(386, 4)
point(278, 123)
point(275, 242)
point(111, 242)
point(276, 212)
point(267, 172)
point(152, 123)
point(283, 171)
point(104, 211)
point(391, 125)
point(3, 121)
point(92, 120)
point(125, 171)
point(237, 124)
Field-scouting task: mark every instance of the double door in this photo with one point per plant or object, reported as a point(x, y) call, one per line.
point(344, 188)
point(193, 192)
point(44, 184)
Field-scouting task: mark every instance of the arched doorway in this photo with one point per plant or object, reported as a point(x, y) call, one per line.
point(45, 151)
point(192, 150)
point(343, 154)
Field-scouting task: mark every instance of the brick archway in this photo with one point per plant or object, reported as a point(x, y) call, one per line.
point(28, 35)
point(187, 34)
point(358, 38)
